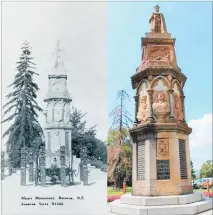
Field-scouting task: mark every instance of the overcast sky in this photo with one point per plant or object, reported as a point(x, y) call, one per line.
point(81, 29)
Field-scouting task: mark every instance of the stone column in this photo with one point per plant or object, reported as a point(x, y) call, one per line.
point(183, 107)
point(81, 171)
point(2, 165)
point(31, 169)
point(84, 167)
point(23, 166)
point(42, 164)
point(150, 118)
point(62, 166)
point(85, 174)
point(136, 108)
point(171, 104)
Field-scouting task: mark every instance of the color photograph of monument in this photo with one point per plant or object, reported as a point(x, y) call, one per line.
point(150, 167)
point(54, 113)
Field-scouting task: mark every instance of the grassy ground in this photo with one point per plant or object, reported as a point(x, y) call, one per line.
point(112, 192)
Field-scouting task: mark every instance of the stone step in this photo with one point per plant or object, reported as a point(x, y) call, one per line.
point(161, 200)
point(185, 209)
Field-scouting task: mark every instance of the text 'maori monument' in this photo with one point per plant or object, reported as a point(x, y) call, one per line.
point(161, 171)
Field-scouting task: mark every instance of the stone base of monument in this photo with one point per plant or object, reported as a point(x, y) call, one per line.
point(161, 205)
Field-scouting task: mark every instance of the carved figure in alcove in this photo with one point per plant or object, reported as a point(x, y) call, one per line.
point(142, 114)
point(178, 111)
point(161, 107)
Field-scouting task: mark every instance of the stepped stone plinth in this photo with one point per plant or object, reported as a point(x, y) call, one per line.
point(161, 205)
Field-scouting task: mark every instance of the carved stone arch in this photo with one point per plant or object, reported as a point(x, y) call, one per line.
point(141, 84)
point(57, 111)
point(49, 112)
point(178, 86)
point(66, 108)
point(156, 79)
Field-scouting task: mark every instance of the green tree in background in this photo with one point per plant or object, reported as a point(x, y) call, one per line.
point(192, 171)
point(119, 159)
point(22, 109)
point(206, 169)
point(82, 136)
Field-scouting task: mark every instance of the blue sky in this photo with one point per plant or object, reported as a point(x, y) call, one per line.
point(191, 24)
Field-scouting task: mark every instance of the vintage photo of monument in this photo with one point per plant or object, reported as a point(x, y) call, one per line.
point(53, 153)
point(161, 169)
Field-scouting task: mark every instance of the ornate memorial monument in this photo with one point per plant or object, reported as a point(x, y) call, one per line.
point(161, 172)
point(58, 126)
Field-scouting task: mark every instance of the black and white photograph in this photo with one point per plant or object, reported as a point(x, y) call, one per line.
point(54, 111)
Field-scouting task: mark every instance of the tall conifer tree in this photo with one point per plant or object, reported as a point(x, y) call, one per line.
point(22, 108)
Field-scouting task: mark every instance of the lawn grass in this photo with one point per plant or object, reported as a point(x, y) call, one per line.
point(112, 192)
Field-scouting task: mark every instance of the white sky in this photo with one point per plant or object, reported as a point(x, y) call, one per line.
point(81, 29)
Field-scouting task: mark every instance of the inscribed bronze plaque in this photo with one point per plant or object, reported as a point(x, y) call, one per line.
point(141, 160)
point(163, 170)
point(182, 155)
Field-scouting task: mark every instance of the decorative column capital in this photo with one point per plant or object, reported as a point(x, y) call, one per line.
point(170, 91)
point(150, 91)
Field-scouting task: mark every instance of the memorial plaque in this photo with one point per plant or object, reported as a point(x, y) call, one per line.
point(163, 170)
point(141, 160)
point(182, 155)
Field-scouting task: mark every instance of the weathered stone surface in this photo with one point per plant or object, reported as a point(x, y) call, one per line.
point(185, 209)
point(160, 200)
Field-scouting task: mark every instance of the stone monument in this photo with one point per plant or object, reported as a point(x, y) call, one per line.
point(161, 172)
point(58, 125)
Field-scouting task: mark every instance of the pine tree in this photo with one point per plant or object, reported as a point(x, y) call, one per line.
point(22, 108)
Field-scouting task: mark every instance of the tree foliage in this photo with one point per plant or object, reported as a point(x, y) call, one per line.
point(121, 117)
point(119, 147)
point(22, 109)
point(206, 169)
point(193, 175)
point(82, 136)
point(119, 159)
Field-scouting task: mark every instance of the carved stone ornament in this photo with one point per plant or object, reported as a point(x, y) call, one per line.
point(142, 114)
point(163, 147)
point(178, 112)
point(161, 108)
point(150, 77)
point(159, 53)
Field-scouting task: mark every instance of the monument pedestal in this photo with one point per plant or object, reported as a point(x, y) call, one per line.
point(161, 205)
point(161, 159)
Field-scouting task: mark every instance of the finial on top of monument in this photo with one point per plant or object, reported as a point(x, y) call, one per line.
point(59, 65)
point(157, 22)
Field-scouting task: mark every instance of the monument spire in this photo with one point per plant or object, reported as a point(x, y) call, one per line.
point(59, 64)
point(157, 22)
